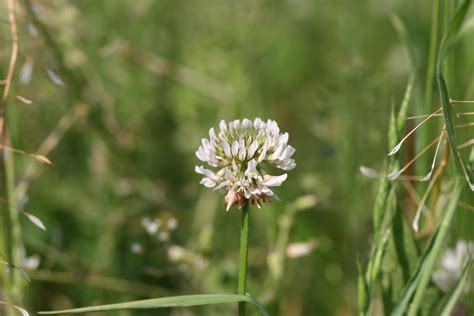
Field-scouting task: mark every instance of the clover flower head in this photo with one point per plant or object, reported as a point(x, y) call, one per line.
point(451, 266)
point(240, 154)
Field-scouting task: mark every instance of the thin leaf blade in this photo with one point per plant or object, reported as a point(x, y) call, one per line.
point(172, 301)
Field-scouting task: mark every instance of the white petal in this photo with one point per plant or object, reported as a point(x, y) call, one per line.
point(255, 191)
point(246, 122)
point(287, 153)
point(276, 153)
point(221, 185)
point(288, 165)
point(235, 148)
point(212, 134)
point(206, 172)
point(229, 175)
point(226, 148)
point(262, 154)
point(283, 138)
point(208, 183)
point(242, 150)
point(236, 124)
point(273, 181)
point(223, 126)
point(205, 145)
point(257, 122)
point(252, 148)
point(251, 169)
point(201, 155)
point(266, 191)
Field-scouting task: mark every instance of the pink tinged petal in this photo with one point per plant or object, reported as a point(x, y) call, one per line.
point(287, 153)
point(273, 181)
point(246, 122)
point(252, 148)
point(242, 150)
point(230, 198)
point(276, 153)
point(208, 183)
point(235, 148)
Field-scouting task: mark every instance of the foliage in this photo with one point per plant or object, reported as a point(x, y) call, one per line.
point(117, 95)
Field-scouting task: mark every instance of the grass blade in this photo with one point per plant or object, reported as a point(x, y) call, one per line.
point(403, 111)
point(422, 274)
point(448, 39)
point(173, 301)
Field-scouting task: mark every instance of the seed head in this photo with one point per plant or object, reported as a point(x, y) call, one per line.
point(238, 154)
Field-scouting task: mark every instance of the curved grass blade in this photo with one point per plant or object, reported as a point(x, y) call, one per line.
point(446, 43)
point(403, 111)
point(456, 293)
point(172, 301)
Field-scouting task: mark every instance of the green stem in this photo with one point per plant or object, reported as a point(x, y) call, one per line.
point(244, 250)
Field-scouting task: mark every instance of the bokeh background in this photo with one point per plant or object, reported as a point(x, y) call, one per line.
point(122, 92)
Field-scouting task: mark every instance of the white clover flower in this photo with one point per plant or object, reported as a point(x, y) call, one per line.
point(239, 153)
point(452, 265)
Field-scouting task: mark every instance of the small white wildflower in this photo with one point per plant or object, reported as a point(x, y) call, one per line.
point(172, 223)
point(300, 249)
point(150, 226)
point(238, 152)
point(32, 262)
point(452, 265)
point(136, 248)
point(176, 253)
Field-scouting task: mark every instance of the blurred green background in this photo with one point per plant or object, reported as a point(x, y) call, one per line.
point(132, 88)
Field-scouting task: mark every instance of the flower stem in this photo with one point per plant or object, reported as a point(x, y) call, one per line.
point(244, 249)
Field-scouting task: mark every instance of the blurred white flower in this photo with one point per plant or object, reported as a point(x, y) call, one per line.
point(300, 249)
point(238, 153)
point(151, 226)
point(136, 248)
point(172, 223)
point(176, 253)
point(32, 262)
point(452, 265)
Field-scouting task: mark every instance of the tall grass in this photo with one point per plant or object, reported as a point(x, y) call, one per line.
point(411, 291)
